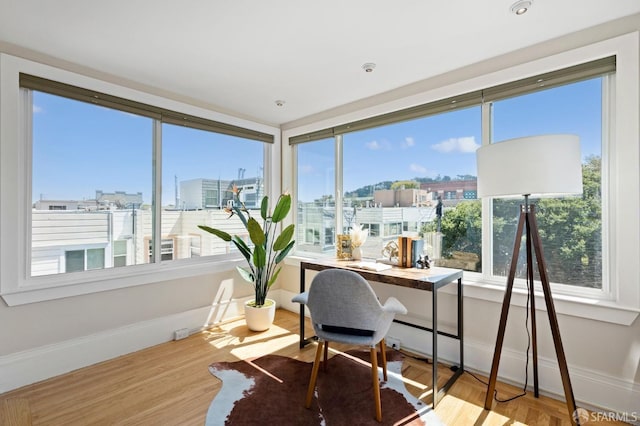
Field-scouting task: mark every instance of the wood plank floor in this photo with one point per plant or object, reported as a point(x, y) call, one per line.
point(170, 384)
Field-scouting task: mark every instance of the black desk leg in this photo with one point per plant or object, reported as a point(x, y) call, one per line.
point(434, 349)
point(460, 323)
point(302, 286)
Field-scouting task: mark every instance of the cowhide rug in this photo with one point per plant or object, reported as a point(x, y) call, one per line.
point(272, 389)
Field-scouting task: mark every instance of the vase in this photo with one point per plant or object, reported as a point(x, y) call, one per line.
point(259, 318)
point(356, 253)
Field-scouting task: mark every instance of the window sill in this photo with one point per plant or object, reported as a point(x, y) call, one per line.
point(68, 285)
point(581, 307)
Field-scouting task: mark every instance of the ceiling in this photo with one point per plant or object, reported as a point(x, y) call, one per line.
point(240, 56)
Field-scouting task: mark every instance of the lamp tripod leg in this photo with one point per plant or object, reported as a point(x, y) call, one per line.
point(553, 320)
point(505, 312)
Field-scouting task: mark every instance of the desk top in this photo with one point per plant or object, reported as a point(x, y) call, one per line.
point(422, 279)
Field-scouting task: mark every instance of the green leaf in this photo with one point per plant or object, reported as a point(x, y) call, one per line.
point(245, 274)
point(218, 233)
point(255, 232)
point(263, 207)
point(280, 257)
point(243, 247)
point(282, 208)
point(259, 256)
point(284, 238)
point(273, 278)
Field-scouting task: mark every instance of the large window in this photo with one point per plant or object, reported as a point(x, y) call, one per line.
point(413, 173)
point(399, 173)
point(571, 228)
point(316, 197)
point(96, 160)
point(110, 177)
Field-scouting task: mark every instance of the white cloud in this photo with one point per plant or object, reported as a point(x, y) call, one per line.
point(417, 168)
point(465, 144)
point(37, 109)
point(408, 142)
point(373, 145)
point(377, 146)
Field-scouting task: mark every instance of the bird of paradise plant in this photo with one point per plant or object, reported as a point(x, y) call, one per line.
point(268, 249)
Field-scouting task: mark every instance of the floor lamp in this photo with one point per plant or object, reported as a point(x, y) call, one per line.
point(547, 165)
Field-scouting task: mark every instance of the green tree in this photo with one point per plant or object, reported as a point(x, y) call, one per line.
point(461, 228)
point(405, 184)
point(570, 230)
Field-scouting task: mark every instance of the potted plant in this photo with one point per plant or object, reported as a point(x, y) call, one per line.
point(263, 258)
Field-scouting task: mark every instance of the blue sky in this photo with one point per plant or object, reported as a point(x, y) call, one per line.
point(80, 148)
point(445, 144)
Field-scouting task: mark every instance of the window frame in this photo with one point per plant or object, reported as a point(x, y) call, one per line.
point(16, 285)
point(619, 301)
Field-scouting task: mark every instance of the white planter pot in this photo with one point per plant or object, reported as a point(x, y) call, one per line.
point(260, 319)
point(356, 253)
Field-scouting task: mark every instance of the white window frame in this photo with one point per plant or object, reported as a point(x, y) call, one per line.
point(16, 285)
point(619, 302)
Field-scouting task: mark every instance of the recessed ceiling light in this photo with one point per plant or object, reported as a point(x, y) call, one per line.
point(279, 102)
point(521, 6)
point(368, 67)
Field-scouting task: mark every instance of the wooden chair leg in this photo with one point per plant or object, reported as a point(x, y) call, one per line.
point(376, 385)
point(383, 354)
point(314, 375)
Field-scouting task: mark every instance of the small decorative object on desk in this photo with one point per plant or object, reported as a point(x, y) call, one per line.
point(423, 263)
point(343, 249)
point(390, 253)
point(358, 237)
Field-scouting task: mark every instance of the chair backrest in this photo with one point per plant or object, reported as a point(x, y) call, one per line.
point(343, 298)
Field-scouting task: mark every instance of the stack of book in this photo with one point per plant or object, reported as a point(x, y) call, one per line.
point(409, 250)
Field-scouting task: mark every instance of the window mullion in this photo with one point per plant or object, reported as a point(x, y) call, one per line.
point(156, 198)
point(487, 203)
point(338, 185)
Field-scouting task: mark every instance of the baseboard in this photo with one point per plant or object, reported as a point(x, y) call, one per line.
point(26, 367)
point(592, 389)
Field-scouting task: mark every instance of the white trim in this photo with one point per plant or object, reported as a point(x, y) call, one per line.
point(33, 365)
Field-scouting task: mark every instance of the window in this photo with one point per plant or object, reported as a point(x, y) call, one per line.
point(200, 169)
point(316, 202)
point(83, 260)
point(104, 177)
point(413, 173)
point(120, 253)
point(571, 227)
point(391, 175)
point(79, 149)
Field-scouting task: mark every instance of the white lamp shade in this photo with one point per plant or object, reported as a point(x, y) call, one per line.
point(545, 165)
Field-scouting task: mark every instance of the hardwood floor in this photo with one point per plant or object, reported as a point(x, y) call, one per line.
point(170, 384)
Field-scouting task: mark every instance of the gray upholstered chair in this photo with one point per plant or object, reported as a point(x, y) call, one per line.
point(345, 309)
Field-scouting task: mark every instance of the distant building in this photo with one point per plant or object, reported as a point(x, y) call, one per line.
point(104, 201)
point(402, 198)
point(119, 199)
point(65, 205)
point(453, 191)
point(202, 194)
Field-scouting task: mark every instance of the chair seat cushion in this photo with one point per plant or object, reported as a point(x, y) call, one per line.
point(347, 330)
